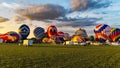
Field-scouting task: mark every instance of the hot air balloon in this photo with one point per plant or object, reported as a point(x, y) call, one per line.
point(102, 32)
point(24, 31)
point(15, 36)
point(82, 33)
point(66, 36)
point(47, 40)
point(60, 37)
point(103, 28)
point(52, 32)
point(6, 37)
point(39, 32)
point(77, 39)
point(101, 37)
point(60, 33)
point(115, 34)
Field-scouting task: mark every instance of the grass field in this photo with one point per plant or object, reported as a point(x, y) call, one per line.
point(59, 56)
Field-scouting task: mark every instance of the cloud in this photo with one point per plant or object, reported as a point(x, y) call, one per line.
point(41, 11)
point(18, 18)
point(10, 5)
point(74, 22)
point(1, 27)
point(81, 22)
point(89, 4)
point(3, 19)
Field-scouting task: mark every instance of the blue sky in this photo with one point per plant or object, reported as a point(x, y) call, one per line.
point(91, 16)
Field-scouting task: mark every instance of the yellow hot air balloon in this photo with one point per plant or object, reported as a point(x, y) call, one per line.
point(77, 38)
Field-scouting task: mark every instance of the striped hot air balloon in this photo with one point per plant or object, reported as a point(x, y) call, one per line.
point(115, 34)
point(39, 32)
point(103, 28)
point(102, 32)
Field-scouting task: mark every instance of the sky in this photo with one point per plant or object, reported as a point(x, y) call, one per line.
point(66, 15)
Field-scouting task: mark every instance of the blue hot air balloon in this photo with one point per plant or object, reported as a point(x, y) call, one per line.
point(24, 31)
point(39, 32)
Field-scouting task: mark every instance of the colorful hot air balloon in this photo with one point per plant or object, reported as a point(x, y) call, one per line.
point(24, 31)
point(77, 38)
point(103, 28)
point(101, 37)
point(115, 34)
point(60, 37)
point(6, 37)
point(39, 32)
point(15, 36)
point(52, 32)
point(102, 32)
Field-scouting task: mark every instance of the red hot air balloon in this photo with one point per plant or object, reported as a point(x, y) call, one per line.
point(6, 37)
point(52, 32)
point(60, 34)
point(15, 36)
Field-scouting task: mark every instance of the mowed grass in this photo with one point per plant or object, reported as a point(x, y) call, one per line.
point(59, 56)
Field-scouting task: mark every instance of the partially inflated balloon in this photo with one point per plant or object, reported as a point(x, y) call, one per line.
point(82, 33)
point(66, 36)
point(60, 34)
point(6, 37)
point(47, 40)
point(52, 32)
point(60, 37)
point(77, 38)
point(15, 36)
point(39, 32)
point(115, 34)
point(24, 31)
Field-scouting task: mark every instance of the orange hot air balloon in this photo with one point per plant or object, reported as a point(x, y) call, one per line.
point(52, 32)
point(6, 37)
point(101, 37)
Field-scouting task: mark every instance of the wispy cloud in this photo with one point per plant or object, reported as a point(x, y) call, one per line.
point(10, 5)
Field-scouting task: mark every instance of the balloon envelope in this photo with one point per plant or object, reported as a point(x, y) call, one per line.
point(115, 34)
point(24, 31)
point(66, 36)
point(103, 28)
point(15, 36)
point(39, 32)
point(101, 37)
point(77, 38)
point(82, 33)
point(52, 32)
point(6, 37)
